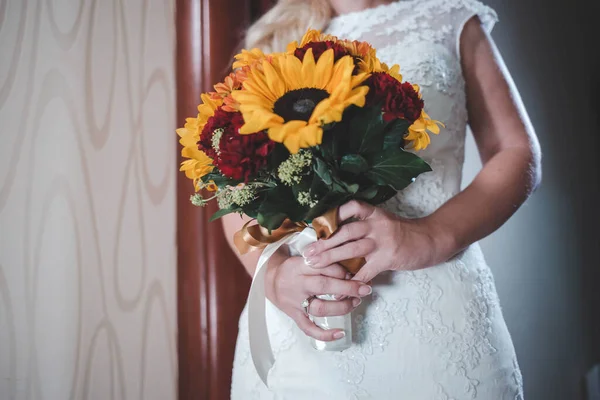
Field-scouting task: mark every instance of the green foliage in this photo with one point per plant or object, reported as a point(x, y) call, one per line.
point(224, 212)
point(279, 204)
point(394, 134)
point(329, 201)
point(354, 163)
point(361, 157)
point(365, 131)
point(397, 168)
point(323, 171)
point(219, 180)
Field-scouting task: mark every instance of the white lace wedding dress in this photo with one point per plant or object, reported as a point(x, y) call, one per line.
point(436, 333)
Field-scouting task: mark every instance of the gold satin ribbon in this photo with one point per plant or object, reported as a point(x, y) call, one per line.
point(255, 237)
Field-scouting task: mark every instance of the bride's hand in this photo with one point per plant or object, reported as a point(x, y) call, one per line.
point(289, 281)
point(386, 241)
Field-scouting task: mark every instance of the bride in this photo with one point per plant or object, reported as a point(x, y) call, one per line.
point(427, 320)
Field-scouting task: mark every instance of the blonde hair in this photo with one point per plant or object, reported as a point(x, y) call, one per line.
point(287, 21)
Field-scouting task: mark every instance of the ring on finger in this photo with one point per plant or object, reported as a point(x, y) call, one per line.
point(306, 303)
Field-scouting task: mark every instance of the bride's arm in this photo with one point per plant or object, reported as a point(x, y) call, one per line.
point(510, 153)
point(231, 224)
point(507, 146)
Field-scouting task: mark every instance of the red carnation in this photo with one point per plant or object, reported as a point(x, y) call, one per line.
point(319, 48)
point(237, 156)
point(398, 100)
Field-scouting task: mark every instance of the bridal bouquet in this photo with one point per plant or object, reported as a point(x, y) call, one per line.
point(289, 136)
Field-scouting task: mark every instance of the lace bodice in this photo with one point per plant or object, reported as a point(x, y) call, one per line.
point(423, 37)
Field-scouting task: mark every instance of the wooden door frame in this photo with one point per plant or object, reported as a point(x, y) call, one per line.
point(212, 286)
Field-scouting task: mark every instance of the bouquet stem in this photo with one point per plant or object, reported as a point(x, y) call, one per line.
point(343, 322)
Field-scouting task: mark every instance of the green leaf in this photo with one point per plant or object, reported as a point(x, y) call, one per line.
point(354, 163)
point(397, 168)
point(384, 193)
point(224, 212)
point(322, 170)
point(271, 219)
point(329, 146)
point(251, 209)
point(368, 193)
point(394, 134)
point(219, 179)
point(366, 130)
point(279, 204)
point(318, 188)
point(330, 200)
point(340, 186)
point(279, 154)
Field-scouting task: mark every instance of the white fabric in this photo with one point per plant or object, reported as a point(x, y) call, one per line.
point(260, 345)
point(436, 333)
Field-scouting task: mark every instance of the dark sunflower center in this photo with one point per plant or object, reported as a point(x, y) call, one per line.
point(299, 104)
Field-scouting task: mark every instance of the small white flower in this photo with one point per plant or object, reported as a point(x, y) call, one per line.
point(239, 195)
point(290, 171)
point(198, 200)
point(216, 139)
point(305, 199)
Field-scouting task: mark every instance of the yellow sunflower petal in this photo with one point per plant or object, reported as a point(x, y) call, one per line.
point(248, 57)
point(433, 128)
point(256, 85)
point(326, 112)
point(359, 78)
point(260, 120)
point(357, 96)
point(310, 135)
point(292, 72)
point(291, 47)
point(308, 69)
point(278, 133)
point(324, 69)
point(274, 80)
point(312, 35)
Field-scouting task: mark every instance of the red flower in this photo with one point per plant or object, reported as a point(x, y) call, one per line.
point(319, 48)
point(236, 156)
point(398, 100)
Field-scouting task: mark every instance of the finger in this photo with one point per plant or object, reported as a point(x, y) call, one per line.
point(366, 274)
point(359, 248)
point(347, 233)
point(325, 308)
point(355, 209)
point(332, 271)
point(310, 329)
point(316, 285)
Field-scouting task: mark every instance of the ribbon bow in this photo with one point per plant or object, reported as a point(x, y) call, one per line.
point(255, 237)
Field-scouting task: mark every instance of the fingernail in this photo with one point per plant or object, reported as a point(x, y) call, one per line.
point(309, 251)
point(312, 261)
point(339, 335)
point(356, 302)
point(365, 290)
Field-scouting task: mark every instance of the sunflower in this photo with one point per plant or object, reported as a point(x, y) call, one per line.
point(250, 58)
point(365, 56)
point(293, 99)
point(417, 133)
point(198, 163)
point(311, 35)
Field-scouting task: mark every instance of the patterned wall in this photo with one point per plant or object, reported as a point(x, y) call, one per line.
point(87, 200)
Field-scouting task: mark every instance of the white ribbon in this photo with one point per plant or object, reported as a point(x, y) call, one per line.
point(260, 345)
